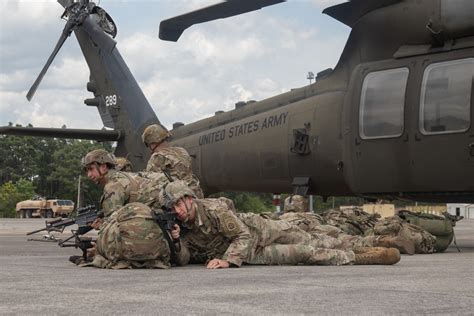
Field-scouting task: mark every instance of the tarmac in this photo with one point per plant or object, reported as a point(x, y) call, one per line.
point(36, 278)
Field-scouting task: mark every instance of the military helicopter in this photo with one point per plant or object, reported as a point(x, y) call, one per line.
point(391, 120)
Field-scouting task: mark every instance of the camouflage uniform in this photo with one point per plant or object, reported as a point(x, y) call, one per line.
point(357, 222)
point(352, 221)
point(395, 226)
point(177, 162)
point(150, 185)
point(328, 235)
point(311, 223)
point(174, 160)
point(296, 203)
point(130, 238)
point(126, 187)
point(249, 238)
point(123, 164)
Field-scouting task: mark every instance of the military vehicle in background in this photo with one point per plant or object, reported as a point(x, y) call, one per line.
point(39, 206)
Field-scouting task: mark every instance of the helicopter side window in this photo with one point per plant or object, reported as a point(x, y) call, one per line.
point(445, 103)
point(382, 104)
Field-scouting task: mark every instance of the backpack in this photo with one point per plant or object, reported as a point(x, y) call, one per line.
point(440, 227)
point(130, 238)
point(396, 226)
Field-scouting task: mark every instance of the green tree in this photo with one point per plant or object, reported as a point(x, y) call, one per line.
point(17, 158)
point(249, 202)
point(51, 164)
point(11, 193)
point(67, 168)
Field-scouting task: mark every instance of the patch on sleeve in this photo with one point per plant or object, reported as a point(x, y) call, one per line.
point(230, 223)
point(108, 195)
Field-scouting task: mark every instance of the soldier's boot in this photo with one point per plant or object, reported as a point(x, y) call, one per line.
point(76, 259)
point(377, 255)
point(405, 246)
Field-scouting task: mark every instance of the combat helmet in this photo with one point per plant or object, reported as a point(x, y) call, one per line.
point(99, 156)
point(123, 164)
point(155, 134)
point(174, 191)
point(295, 203)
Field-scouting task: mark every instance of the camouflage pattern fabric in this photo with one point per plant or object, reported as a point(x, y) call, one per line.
point(100, 156)
point(243, 238)
point(296, 203)
point(354, 228)
point(177, 162)
point(155, 133)
point(126, 187)
point(216, 233)
point(352, 221)
point(328, 235)
point(279, 242)
point(130, 238)
point(395, 226)
point(150, 185)
point(276, 254)
point(228, 203)
point(306, 221)
point(117, 192)
point(123, 164)
point(441, 227)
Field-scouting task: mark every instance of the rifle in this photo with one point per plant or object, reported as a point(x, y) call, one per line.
point(166, 221)
point(80, 242)
point(84, 218)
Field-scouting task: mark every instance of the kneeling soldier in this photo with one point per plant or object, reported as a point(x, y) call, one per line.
point(131, 238)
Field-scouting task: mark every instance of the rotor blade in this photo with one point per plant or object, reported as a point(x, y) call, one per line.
point(71, 133)
point(350, 12)
point(171, 29)
point(65, 3)
point(66, 32)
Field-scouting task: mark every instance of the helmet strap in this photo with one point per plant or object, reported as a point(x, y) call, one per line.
point(188, 210)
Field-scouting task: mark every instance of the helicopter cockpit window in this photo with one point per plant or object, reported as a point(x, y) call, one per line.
point(445, 103)
point(382, 103)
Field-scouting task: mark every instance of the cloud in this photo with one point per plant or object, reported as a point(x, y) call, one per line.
point(213, 65)
point(51, 108)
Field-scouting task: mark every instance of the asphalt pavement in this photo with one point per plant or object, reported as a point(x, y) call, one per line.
point(37, 279)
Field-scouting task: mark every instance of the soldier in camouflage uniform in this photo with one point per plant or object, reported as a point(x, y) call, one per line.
point(130, 238)
point(355, 221)
point(215, 235)
point(296, 203)
point(298, 215)
point(395, 226)
point(309, 223)
point(174, 160)
point(121, 188)
point(123, 164)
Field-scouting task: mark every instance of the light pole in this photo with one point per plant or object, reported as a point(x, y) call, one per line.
point(310, 76)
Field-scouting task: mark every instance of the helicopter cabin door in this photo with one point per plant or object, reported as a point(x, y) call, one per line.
point(442, 144)
point(378, 139)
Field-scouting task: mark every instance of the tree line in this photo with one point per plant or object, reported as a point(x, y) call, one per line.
point(48, 167)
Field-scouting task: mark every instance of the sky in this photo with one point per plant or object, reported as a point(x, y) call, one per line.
point(212, 66)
